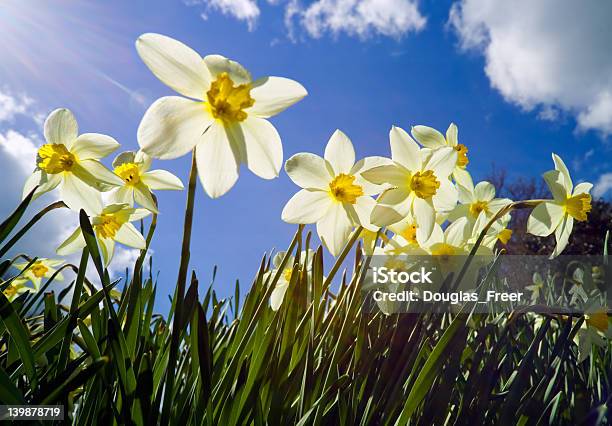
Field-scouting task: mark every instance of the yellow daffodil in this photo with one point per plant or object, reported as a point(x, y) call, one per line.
point(41, 268)
point(431, 138)
point(334, 196)
point(569, 203)
point(478, 204)
point(16, 287)
point(139, 181)
point(278, 294)
point(71, 161)
point(223, 114)
point(111, 225)
point(420, 184)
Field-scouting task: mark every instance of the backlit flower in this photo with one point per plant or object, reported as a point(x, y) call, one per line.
point(278, 294)
point(111, 225)
point(71, 161)
point(15, 288)
point(420, 184)
point(334, 196)
point(223, 114)
point(139, 181)
point(569, 203)
point(41, 268)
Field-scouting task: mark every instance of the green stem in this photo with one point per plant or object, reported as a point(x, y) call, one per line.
point(180, 293)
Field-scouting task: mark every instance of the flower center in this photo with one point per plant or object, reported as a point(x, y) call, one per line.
point(107, 226)
point(424, 184)
point(443, 250)
point(477, 207)
point(344, 190)
point(504, 236)
point(55, 158)
point(39, 270)
point(227, 101)
point(462, 159)
point(578, 206)
point(409, 234)
point(129, 172)
point(599, 320)
point(287, 273)
point(10, 291)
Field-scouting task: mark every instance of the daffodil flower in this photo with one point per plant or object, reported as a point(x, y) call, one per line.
point(41, 268)
point(498, 231)
point(595, 330)
point(334, 194)
point(431, 138)
point(139, 181)
point(71, 161)
point(420, 184)
point(223, 114)
point(111, 225)
point(278, 294)
point(569, 203)
point(478, 204)
point(15, 288)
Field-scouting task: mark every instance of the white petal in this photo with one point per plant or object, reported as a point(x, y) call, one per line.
point(562, 234)
point(363, 208)
point(445, 198)
point(122, 195)
point(124, 157)
point(582, 188)
point(366, 164)
point(72, 244)
point(404, 149)
point(142, 195)
point(161, 180)
point(94, 146)
point(107, 247)
point(484, 191)
point(428, 136)
point(278, 294)
point(128, 235)
point(442, 162)
point(466, 193)
point(451, 135)
point(97, 175)
point(340, 153)
point(497, 204)
point(175, 64)
point(460, 210)
point(262, 144)
point(143, 160)
point(393, 205)
point(425, 216)
point(556, 184)
point(308, 171)
point(217, 162)
point(457, 232)
point(61, 127)
point(334, 228)
point(462, 176)
point(45, 182)
point(218, 64)
point(172, 126)
point(138, 214)
point(307, 206)
point(545, 218)
point(561, 167)
point(273, 95)
point(78, 195)
point(393, 174)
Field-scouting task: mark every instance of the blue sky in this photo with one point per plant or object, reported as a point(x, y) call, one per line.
point(363, 75)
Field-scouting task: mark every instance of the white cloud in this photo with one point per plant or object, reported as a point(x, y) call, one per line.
point(11, 105)
point(243, 10)
point(362, 18)
point(546, 55)
point(125, 258)
point(359, 18)
point(603, 185)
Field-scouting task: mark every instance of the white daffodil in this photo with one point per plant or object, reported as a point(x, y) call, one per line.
point(16, 287)
point(334, 196)
point(41, 268)
point(498, 231)
point(223, 114)
point(431, 138)
point(139, 181)
point(569, 203)
point(72, 161)
point(420, 184)
point(110, 224)
point(278, 294)
point(478, 204)
point(596, 330)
